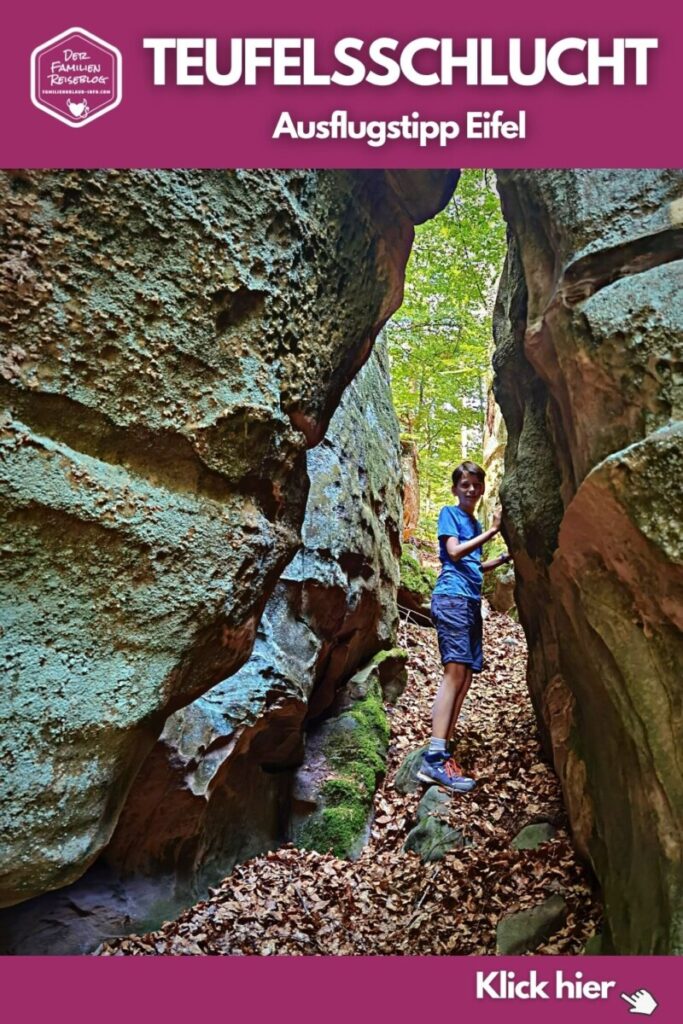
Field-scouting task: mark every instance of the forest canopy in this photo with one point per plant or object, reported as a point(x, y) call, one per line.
point(440, 340)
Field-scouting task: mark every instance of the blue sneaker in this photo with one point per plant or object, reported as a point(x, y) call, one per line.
point(442, 770)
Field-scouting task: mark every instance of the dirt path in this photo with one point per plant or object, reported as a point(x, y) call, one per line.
point(297, 903)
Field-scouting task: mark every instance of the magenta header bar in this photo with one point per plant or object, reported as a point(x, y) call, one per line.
point(375, 84)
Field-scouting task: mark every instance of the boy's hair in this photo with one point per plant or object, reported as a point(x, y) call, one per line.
point(468, 467)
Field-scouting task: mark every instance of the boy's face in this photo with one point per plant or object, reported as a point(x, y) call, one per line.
point(468, 491)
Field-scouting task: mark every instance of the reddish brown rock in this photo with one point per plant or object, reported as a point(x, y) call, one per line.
point(411, 489)
point(495, 437)
point(588, 329)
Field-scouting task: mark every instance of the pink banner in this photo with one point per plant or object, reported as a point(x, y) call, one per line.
point(360, 84)
point(537, 85)
point(604, 990)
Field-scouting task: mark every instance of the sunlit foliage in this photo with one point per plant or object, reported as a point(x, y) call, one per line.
point(440, 339)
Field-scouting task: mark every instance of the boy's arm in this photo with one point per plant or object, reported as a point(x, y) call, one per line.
point(456, 549)
point(495, 562)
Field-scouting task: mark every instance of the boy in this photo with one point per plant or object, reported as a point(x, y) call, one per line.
point(456, 611)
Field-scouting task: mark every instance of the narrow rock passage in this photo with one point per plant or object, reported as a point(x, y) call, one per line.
point(295, 902)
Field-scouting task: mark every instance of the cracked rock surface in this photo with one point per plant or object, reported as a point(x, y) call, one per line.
point(588, 326)
point(173, 342)
point(217, 788)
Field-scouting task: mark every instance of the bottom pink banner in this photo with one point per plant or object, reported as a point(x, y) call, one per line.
point(480, 989)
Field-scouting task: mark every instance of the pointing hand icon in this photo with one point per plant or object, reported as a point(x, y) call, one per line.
point(641, 1002)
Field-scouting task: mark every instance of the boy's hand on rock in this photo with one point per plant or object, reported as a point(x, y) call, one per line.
point(496, 518)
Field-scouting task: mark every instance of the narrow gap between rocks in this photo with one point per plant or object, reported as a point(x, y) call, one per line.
point(440, 874)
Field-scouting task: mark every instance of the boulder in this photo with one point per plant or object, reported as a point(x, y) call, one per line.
point(588, 329)
point(432, 838)
point(174, 341)
point(405, 780)
point(217, 787)
point(74, 920)
point(533, 836)
point(392, 671)
point(436, 802)
point(525, 930)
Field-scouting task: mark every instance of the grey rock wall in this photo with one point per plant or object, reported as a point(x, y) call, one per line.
point(217, 786)
point(173, 342)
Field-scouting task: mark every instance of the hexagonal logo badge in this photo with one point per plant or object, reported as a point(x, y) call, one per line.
point(76, 77)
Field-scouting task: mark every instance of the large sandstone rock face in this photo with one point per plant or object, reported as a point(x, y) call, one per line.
point(172, 344)
point(588, 329)
point(239, 770)
point(217, 788)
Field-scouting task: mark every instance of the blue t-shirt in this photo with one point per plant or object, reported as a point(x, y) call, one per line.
point(462, 578)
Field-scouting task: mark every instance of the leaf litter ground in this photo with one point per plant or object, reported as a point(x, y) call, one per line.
point(296, 902)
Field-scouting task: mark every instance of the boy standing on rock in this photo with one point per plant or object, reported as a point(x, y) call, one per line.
point(456, 611)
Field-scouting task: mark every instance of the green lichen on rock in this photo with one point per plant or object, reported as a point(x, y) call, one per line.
point(396, 653)
point(355, 747)
point(418, 578)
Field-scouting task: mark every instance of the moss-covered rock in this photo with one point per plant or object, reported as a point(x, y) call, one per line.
point(436, 802)
point(345, 757)
point(419, 579)
point(533, 836)
point(432, 838)
point(388, 668)
point(415, 589)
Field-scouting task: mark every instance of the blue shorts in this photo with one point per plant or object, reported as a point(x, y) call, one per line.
point(458, 627)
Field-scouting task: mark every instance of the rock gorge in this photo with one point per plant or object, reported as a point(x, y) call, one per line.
point(175, 344)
